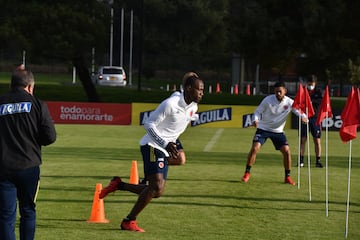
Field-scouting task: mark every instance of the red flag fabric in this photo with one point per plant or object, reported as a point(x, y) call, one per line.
point(325, 107)
point(354, 115)
point(299, 100)
point(308, 105)
point(350, 116)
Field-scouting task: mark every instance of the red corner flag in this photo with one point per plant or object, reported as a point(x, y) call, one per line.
point(308, 105)
point(325, 107)
point(299, 100)
point(350, 116)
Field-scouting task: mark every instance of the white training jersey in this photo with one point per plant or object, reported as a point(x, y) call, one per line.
point(271, 114)
point(168, 121)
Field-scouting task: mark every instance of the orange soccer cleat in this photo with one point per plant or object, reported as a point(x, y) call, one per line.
point(288, 180)
point(131, 225)
point(112, 187)
point(246, 177)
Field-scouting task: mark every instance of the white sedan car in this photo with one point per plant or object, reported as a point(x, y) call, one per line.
point(110, 76)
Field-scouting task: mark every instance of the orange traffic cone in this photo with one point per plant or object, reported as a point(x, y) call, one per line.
point(97, 210)
point(248, 89)
point(218, 88)
point(236, 89)
point(134, 175)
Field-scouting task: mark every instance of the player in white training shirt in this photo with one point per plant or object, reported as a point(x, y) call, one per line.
point(180, 159)
point(269, 119)
point(163, 127)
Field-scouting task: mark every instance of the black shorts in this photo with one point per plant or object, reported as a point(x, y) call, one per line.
point(155, 161)
point(278, 139)
point(313, 128)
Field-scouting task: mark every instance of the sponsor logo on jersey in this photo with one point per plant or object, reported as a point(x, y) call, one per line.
point(161, 165)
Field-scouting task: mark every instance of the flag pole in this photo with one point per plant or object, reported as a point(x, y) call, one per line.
point(299, 152)
point(326, 166)
point(348, 193)
point(308, 152)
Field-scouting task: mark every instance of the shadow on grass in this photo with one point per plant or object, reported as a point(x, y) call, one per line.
point(107, 177)
point(90, 190)
point(192, 202)
point(59, 224)
point(107, 153)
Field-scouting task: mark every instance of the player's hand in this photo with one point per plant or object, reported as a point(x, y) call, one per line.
point(255, 124)
point(304, 120)
point(195, 117)
point(172, 149)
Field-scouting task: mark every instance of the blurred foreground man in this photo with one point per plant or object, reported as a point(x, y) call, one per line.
point(25, 126)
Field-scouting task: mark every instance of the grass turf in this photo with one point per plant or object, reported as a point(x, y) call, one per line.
point(204, 199)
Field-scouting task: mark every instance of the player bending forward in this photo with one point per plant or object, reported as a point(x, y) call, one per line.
point(163, 127)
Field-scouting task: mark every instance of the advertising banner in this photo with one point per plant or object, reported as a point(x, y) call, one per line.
point(141, 111)
point(220, 116)
point(334, 123)
point(213, 115)
point(90, 113)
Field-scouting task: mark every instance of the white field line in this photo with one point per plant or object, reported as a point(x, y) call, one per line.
point(213, 140)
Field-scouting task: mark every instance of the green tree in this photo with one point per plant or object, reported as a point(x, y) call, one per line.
point(265, 32)
point(193, 29)
point(58, 29)
point(191, 34)
point(354, 69)
point(64, 30)
point(276, 32)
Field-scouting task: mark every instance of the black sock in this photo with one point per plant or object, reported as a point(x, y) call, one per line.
point(121, 185)
point(287, 173)
point(248, 168)
point(317, 159)
point(129, 218)
point(301, 159)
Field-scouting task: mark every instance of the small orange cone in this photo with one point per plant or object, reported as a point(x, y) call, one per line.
point(248, 89)
point(218, 88)
point(236, 89)
point(134, 175)
point(97, 210)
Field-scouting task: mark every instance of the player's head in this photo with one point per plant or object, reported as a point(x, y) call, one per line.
point(311, 82)
point(187, 75)
point(280, 90)
point(22, 78)
point(193, 87)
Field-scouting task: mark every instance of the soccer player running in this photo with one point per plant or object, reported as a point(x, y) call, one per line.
point(269, 119)
point(180, 159)
point(163, 127)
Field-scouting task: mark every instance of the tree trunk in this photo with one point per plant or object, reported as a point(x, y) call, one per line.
point(85, 79)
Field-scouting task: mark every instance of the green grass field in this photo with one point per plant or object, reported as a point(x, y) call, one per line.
point(204, 199)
